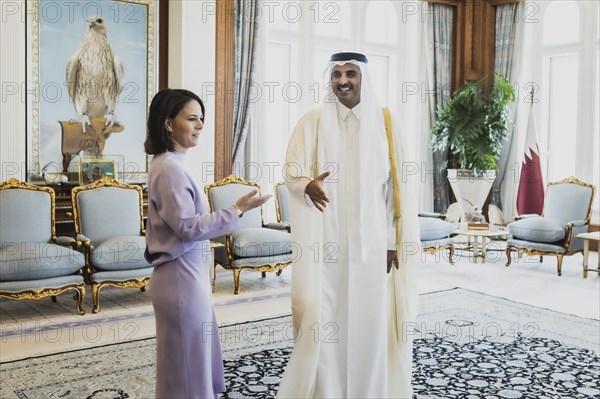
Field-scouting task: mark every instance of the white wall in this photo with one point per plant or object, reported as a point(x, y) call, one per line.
point(192, 26)
point(191, 66)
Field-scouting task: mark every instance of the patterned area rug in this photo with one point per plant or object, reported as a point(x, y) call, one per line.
point(467, 345)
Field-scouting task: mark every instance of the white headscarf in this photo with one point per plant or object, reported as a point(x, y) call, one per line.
point(373, 159)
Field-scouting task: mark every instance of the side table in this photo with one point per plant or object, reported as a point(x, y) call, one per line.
point(480, 240)
point(586, 237)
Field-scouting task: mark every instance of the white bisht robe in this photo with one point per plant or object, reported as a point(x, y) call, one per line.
point(364, 342)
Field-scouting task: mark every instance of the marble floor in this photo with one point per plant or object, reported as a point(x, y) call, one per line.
point(30, 328)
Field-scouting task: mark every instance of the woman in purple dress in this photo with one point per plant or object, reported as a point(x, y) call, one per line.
point(188, 351)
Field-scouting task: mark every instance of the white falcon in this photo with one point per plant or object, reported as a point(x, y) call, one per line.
point(95, 75)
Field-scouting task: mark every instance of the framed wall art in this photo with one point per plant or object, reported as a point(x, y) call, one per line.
point(92, 70)
point(91, 170)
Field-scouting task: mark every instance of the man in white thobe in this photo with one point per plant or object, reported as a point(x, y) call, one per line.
point(353, 321)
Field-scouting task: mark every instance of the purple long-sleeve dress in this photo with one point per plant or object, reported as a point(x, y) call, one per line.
point(189, 363)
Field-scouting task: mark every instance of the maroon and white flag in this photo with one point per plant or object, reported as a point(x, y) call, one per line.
point(530, 197)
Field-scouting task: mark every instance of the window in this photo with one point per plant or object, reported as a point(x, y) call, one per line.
point(559, 116)
point(568, 108)
point(379, 67)
point(596, 145)
point(277, 96)
point(281, 16)
point(566, 15)
point(331, 18)
point(381, 23)
point(295, 52)
point(322, 55)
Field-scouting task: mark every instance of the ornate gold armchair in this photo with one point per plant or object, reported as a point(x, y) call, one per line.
point(256, 246)
point(110, 228)
point(567, 212)
point(436, 234)
point(34, 263)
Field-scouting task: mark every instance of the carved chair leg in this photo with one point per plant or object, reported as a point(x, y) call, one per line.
point(541, 259)
point(54, 300)
point(79, 297)
point(508, 257)
point(559, 259)
point(263, 274)
point(279, 272)
point(96, 297)
point(143, 289)
point(236, 280)
point(451, 254)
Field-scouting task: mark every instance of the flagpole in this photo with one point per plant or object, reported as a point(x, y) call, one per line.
point(532, 92)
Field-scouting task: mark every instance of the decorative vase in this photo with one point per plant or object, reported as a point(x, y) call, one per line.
point(470, 191)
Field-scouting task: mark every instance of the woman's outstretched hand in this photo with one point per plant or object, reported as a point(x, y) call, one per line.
point(251, 201)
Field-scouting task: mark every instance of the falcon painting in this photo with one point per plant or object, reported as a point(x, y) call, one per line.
point(95, 76)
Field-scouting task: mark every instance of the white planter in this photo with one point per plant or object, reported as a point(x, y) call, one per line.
point(470, 191)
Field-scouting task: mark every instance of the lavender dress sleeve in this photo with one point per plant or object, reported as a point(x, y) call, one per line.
point(178, 215)
point(179, 211)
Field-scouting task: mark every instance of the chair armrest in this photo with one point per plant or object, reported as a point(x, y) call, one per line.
point(277, 225)
point(525, 216)
point(432, 215)
point(66, 241)
point(578, 223)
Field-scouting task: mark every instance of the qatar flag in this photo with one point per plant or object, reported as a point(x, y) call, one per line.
point(530, 197)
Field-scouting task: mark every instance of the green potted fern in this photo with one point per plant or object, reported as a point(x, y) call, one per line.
point(471, 127)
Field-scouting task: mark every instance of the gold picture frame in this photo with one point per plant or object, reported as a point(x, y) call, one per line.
point(55, 34)
point(92, 170)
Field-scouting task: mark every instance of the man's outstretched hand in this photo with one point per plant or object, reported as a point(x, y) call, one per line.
point(315, 191)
